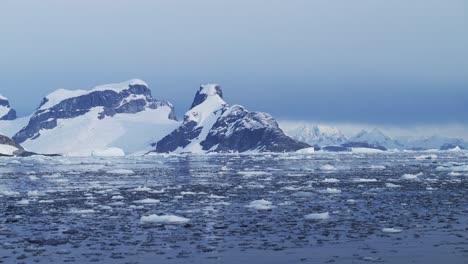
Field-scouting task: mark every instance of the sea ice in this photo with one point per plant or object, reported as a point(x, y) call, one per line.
point(261, 205)
point(165, 219)
point(391, 230)
point(317, 216)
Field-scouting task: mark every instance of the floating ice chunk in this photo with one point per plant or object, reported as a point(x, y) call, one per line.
point(303, 194)
point(327, 167)
point(147, 201)
point(331, 191)
point(261, 205)
point(426, 157)
point(81, 211)
point(33, 178)
point(141, 189)
point(454, 174)
point(109, 152)
point(365, 180)
point(317, 216)
point(391, 185)
point(377, 167)
point(253, 173)
point(23, 202)
point(409, 176)
point(117, 197)
point(45, 201)
point(165, 219)
point(391, 230)
point(331, 180)
point(188, 193)
point(121, 172)
point(34, 193)
point(306, 151)
point(213, 196)
point(9, 193)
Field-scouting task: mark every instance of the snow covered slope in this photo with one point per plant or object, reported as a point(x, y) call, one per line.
point(211, 125)
point(122, 115)
point(6, 112)
point(315, 134)
point(373, 139)
point(8, 147)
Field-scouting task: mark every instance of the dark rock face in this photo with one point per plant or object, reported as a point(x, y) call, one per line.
point(240, 130)
point(132, 100)
point(362, 145)
point(235, 130)
point(11, 115)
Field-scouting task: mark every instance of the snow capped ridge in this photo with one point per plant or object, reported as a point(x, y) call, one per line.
point(8, 147)
point(122, 115)
point(208, 91)
point(211, 125)
point(60, 95)
point(319, 135)
point(373, 139)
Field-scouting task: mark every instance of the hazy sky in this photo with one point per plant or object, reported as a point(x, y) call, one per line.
point(387, 62)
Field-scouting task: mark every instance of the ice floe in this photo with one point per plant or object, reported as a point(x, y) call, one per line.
point(164, 219)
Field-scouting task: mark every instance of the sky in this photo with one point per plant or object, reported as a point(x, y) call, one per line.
point(382, 63)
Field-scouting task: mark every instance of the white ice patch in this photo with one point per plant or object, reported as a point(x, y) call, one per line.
point(121, 172)
point(165, 219)
point(81, 211)
point(409, 176)
point(363, 180)
point(317, 216)
point(253, 173)
point(331, 191)
point(109, 152)
point(391, 230)
point(147, 201)
point(327, 167)
point(391, 185)
point(331, 180)
point(261, 205)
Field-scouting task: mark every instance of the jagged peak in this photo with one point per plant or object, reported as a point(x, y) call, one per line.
point(205, 91)
point(59, 95)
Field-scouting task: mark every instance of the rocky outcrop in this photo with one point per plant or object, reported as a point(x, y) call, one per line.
point(211, 125)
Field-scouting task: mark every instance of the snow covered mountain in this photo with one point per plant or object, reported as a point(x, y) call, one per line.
point(8, 147)
point(315, 134)
point(434, 142)
point(373, 139)
point(81, 122)
point(211, 125)
point(6, 112)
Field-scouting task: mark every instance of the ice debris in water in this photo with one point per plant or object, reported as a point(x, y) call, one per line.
point(327, 167)
point(409, 176)
point(147, 201)
point(261, 205)
point(165, 219)
point(391, 230)
point(121, 172)
point(317, 216)
point(331, 191)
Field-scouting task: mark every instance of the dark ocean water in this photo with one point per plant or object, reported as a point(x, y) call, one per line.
point(389, 208)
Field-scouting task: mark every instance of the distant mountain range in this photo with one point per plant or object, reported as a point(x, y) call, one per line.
point(123, 118)
point(332, 139)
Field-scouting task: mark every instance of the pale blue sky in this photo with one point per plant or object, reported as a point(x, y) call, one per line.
point(395, 62)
